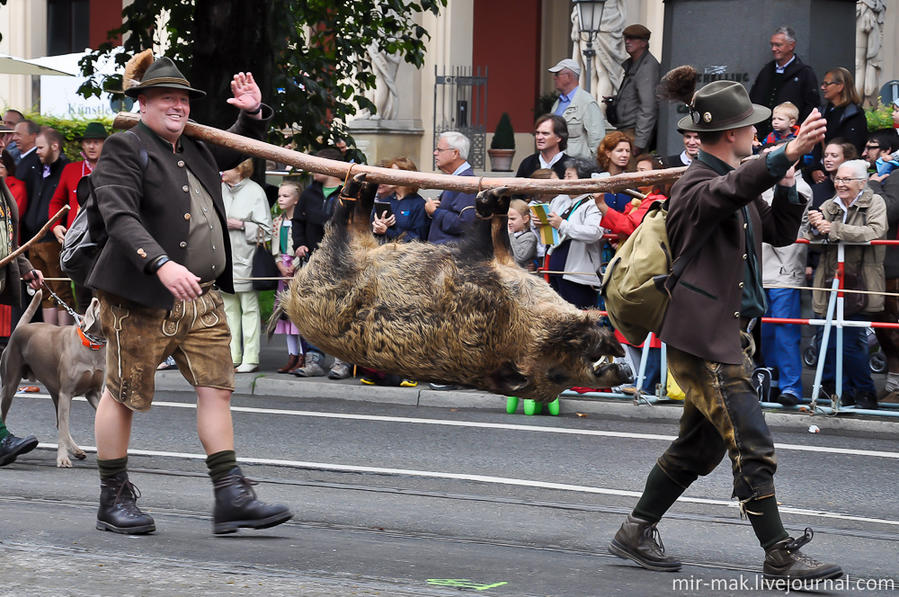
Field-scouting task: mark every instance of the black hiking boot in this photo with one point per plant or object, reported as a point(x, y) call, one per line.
point(118, 510)
point(784, 561)
point(236, 506)
point(639, 540)
point(11, 447)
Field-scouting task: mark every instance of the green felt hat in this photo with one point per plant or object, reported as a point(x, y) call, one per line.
point(163, 73)
point(722, 106)
point(94, 130)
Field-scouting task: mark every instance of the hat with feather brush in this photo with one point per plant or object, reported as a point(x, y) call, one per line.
point(142, 72)
point(719, 106)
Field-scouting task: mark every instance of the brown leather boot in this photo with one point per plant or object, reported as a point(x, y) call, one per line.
point(784, 561)
point(291, 364)
point(639, 540)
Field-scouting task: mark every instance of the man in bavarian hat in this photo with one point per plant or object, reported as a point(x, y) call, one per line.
point(66, 192)
point(157, 278)
point(717, 205)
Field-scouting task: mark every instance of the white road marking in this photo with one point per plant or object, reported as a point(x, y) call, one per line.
point(348, 468)
point(504, 426)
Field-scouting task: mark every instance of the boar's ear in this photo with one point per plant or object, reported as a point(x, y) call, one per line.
point(508, 379)
point(605, 342)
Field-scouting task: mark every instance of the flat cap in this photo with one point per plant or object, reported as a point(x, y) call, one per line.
point(637, 31)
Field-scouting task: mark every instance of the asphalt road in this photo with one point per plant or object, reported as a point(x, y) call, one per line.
point(399, 500)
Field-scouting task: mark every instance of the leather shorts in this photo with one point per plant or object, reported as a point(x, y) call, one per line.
point(721, 416)
point(194, 332)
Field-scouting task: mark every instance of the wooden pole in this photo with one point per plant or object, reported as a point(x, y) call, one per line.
point(427, 180)
point(62, 211)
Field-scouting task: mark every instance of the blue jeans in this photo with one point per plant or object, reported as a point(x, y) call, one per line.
point(856, 371)
point(781, 342)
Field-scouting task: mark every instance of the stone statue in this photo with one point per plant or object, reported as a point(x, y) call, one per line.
point(869, 17)
point(605, 71)
point(384, 94)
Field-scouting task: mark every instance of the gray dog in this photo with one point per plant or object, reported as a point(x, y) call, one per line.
point(64, 359)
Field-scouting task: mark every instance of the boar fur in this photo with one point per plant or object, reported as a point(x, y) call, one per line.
point(453, 314)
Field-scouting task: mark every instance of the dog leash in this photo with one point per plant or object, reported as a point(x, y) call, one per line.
point(92, 342)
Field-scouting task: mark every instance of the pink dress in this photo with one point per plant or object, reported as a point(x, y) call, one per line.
point(286, 258)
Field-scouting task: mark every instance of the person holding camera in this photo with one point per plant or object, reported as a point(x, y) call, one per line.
point(400, 215)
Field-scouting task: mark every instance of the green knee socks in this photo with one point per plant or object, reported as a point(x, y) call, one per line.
point(660, 493)
point(221, 463)
point(111, 468)
point(765, 519)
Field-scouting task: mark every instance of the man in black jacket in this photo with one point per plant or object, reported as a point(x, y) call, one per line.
point(44, 253)
point(159, 192)
point(785, 79)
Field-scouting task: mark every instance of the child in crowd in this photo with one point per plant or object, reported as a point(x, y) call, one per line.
point(522, 238)
point(288, 196)
point(783, 124)
point(541, 174)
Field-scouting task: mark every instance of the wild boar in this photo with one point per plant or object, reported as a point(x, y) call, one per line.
point(463, 314)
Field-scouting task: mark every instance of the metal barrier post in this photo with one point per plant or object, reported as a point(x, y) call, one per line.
point(663, 371)
point(825, 337)
point(641, 368)
point(838, 374)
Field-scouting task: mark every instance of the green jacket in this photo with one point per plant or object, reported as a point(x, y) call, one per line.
point(145, 204)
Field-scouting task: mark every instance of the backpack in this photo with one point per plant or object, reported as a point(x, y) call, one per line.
point(87, 236)
point(638, 281)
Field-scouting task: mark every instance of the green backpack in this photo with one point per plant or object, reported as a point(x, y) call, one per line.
point(638, 281)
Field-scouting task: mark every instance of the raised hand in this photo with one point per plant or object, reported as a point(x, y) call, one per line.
point(247, 95)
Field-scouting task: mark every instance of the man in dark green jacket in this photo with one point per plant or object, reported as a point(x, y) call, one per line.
point(159, 192)
point(717, 206)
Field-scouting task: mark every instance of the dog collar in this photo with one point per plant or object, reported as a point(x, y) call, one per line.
point(91, 343)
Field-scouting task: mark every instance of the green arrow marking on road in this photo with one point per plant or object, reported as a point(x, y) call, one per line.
point(463, 583)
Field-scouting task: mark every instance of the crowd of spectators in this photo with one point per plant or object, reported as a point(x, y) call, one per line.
point(850, 182)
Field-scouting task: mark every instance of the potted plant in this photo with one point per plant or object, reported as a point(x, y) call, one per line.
point(502, 147)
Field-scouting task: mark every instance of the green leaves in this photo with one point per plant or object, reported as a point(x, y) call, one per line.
point(313, 69)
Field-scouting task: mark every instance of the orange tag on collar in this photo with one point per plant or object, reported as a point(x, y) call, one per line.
point(88, 343)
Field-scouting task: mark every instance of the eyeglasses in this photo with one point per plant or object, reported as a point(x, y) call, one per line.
point(829, 83)
point(872, 146)
point(444, 149)
point(841, 180)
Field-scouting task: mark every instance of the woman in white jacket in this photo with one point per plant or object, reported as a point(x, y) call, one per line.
point(578, 250)
point(249, 220)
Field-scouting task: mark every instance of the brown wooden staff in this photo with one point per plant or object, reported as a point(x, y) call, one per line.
point(427, 180)
point(62, 211)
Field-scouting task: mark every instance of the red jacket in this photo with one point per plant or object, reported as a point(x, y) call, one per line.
point(19, 192)
point(65, 191)
point(624, 223)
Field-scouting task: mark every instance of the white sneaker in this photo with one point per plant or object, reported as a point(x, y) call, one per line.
point(246, 368)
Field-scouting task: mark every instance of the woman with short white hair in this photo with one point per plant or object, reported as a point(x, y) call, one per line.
point(854, 215)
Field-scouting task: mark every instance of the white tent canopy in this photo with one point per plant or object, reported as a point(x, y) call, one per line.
point(10, 65)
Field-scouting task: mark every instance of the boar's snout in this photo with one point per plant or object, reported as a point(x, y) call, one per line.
point(610, 374)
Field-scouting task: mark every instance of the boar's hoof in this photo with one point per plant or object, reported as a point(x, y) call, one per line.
point(492, 202)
